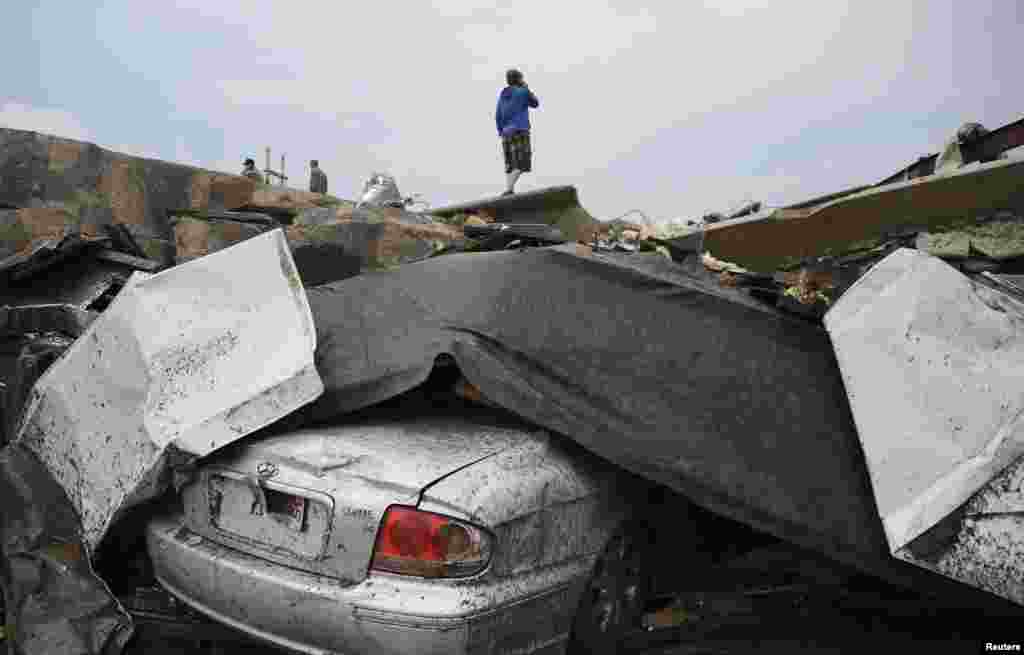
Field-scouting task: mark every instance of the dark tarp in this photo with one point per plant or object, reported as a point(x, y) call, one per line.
point(733, 403)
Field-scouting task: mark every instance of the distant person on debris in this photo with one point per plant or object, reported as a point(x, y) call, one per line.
point(249, 170)
point(513, 119)
point(317, 178)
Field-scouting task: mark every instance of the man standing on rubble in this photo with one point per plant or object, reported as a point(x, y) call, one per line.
point(317, 178)
point(513, 119)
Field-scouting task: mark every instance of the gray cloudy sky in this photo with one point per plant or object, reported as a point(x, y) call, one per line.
point(674, 108)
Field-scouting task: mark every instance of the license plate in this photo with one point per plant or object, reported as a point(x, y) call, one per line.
point(286, 509)
point(282, 518)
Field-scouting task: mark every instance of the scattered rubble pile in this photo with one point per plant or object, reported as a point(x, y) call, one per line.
point(54, 187)
point(806, 255)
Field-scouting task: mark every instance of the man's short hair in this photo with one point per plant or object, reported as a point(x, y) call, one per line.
point(313, 162)
point(512, 76)
point(249, 162)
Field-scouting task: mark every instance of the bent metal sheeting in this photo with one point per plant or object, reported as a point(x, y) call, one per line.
point(934, 366)
point(195, 357)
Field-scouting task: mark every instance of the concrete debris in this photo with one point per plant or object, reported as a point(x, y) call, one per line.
point(952, 352)
point(558, 207)
point(77, 271)
point(499, 236)
point(191, 358)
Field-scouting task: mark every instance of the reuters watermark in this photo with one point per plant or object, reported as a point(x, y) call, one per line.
point(1002, 647)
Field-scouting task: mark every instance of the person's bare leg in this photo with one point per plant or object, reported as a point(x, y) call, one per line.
point(511, 179)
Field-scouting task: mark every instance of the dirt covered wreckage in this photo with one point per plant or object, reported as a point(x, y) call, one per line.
point(444, 533)
point(390, 515)
point(535, 497)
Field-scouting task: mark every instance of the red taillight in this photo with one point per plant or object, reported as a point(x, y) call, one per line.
point(429, 545)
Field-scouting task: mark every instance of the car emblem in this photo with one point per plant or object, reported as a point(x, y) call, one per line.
point(266, 469)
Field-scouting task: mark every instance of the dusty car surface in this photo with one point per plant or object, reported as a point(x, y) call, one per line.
point(437, 534)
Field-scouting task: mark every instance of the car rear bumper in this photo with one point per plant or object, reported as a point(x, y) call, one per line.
point(382, 614)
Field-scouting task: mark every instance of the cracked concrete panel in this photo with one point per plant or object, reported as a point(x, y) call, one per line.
point(933, 365)
point(193, 357)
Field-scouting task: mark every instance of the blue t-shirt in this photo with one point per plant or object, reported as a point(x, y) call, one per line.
point(513, 111)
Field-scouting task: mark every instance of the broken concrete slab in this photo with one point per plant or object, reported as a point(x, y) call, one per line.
point(860, 221)
point(555, 206)
point(933, 365)
point(193, 357)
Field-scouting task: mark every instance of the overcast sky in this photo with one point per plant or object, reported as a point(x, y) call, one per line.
point(674, 108)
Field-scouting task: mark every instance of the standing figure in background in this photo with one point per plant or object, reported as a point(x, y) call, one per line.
point(249, 171)
point(513, 120)
point(317, 178)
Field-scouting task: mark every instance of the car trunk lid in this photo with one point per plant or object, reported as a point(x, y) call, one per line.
point(313, 499)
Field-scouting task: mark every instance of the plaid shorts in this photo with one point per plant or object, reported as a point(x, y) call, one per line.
point(517, 151)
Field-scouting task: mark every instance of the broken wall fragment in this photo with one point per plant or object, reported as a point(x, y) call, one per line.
point(864, 220)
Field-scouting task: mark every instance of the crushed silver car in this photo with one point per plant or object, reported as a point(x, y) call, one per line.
point(436, 534)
